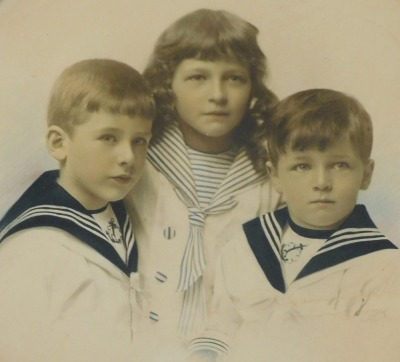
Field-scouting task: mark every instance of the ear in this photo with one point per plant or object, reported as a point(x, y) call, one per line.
point(56, 141)
point(368, 170)
point(273, 175)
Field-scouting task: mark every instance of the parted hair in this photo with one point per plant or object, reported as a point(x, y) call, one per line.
point(316, 118)
point(94, 85)
point(212, 35)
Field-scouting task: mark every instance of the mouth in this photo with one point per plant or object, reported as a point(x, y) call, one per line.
point(123, 179)
point(217, 114)
point(323, 201)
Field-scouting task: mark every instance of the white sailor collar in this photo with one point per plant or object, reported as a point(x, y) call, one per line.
point(46, 204)
point(357, 236)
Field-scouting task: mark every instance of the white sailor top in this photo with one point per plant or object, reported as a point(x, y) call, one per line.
point(179, 240)
point(350, 285)
point(65, 290)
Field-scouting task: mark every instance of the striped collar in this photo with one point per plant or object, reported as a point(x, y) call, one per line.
point(169, 155)
point(46, 204)
point(357, 236)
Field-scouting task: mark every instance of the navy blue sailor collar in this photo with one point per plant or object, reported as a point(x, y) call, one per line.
point(46, 204)
point(357, 236)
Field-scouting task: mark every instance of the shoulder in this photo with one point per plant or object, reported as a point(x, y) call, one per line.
point(237, 250)
point(40, 245)
point(33, 238)
point(377, 271)
point(38, 254)
point(241, 272)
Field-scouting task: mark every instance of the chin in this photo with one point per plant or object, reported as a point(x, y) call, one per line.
point(217, 131)
point(112, 197)
point(326, 225)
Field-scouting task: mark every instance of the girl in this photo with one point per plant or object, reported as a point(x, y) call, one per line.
point(207, 163)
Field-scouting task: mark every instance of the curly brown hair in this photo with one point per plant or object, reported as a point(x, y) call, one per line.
point(213, 35)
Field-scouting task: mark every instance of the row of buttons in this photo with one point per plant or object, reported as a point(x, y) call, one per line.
point(162, 278)
point(169, 233)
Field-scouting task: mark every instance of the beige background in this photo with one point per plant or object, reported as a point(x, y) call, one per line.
point(348, 45)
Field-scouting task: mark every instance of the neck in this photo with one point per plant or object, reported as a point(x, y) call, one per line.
point(87, 201)
point(203, 143)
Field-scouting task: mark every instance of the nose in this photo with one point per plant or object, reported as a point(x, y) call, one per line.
point(126, 155)
point(218, 92)
point(322, 180)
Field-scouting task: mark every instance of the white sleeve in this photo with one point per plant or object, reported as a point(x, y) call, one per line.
point(377, 321)
point(25, 269)
point(382, 292)
point(37, 277)
point(373, 316)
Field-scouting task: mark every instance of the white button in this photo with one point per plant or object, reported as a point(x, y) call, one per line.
point(169, 233)
point(162, 278)
point(154, 316)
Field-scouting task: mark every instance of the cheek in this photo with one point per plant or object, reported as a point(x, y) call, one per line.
point(185, 97)
point(350, 186)
point(241, 102)
point(184, 105)
point(350, 194)
point(140, 156)
point(294, 185)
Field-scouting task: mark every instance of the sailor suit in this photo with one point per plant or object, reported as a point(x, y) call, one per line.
point(342, 304)
point(67, 294)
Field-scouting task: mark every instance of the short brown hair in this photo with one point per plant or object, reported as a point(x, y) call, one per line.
point(316, 118)
point(98, 84)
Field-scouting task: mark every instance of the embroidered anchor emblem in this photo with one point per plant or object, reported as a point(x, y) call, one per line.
point(292, 249)
point(111, 228)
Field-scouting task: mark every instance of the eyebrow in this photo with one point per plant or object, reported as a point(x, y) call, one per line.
point(108, 129)
point(229, 69)
point(146, 134)
point(115, 129)
point(300, 155)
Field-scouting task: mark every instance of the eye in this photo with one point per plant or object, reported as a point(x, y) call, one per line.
point(109, 138)
point(302, 167)
point(196, 77)
point(341, 166)
point(237, 78)
point(140, 141)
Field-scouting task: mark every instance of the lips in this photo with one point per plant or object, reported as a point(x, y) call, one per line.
point(124, 179)
point(322, 202)
point(217, 113)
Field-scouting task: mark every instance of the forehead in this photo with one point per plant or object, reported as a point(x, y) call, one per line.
point(102, 119)
point(342, 147)
point(216, 65)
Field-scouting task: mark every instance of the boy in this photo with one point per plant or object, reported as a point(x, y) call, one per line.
point(316, 280)
point(68, 258)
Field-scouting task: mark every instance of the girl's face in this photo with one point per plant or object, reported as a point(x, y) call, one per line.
point(211, 100)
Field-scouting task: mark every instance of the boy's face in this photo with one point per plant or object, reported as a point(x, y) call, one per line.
point(321, 187)
point(211, 99)
point(104, 157)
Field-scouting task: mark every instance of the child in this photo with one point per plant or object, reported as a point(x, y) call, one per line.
point(68, 257)
point(315, 281)
point(207, 166)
